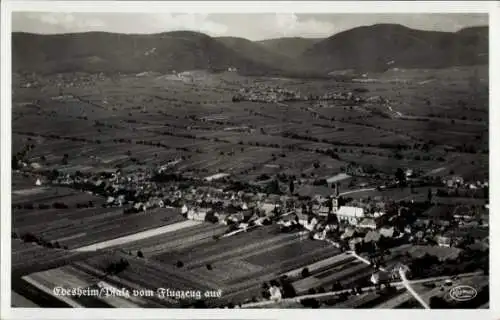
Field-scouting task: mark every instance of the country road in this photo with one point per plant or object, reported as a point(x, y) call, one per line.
point(397, 284)
point(356, 191)
point(408, 287)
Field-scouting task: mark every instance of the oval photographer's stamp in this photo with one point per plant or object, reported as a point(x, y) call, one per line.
point(463, 293)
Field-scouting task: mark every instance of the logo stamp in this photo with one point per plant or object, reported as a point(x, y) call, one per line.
point(463, 293)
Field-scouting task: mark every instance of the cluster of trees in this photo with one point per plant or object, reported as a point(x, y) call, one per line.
point(273, 187)
point(31, 238)
point(482, 193)
point(452, 119)
point(21, 156)
point(210, 217)
point(85, 205)
point(116, 267)
point(31, 206)
point(283, 283)
point(164, 177)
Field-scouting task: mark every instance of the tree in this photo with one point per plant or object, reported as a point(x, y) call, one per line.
point(288, 289)
point(15, 163)
point(400, 175)
point(310, 303)
point(292, 186)
point(65, 159)
point(179, 264)
point(273, 187)
point(54, 174)
point(305, 273)
point(436, 302)
point(140, 254)
point(316, 164)
point(429, 196)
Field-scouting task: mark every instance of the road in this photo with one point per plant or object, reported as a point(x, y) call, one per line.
point(408, 287)
point(356, 191)
point(139, 236)
point(365, 261)
point(397, 284)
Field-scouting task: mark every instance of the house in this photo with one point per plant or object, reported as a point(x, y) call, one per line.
point(353, 242)
point(351, 215)
point(267, 207)
point(197, 214)
point(388, 232)
point(380, 277)
point(260, 221)
point(275, 293)
point(315, 208)
point(348, 233)
point(378, 214)
point(463, 212)
point(287, 221)
point(236, 217)
point(372, 236)
point(38, 182)
point(368, 223)
point(223, 217)
point(409, 173)
point(139, 206)
point(323, 211)
point(320, 235)
point(243, 226)
point(408, 229)
point(310, 224)
point(421, 223)
point(454, 181)
point(443, 241)
point(302, 216)
point(184, 209)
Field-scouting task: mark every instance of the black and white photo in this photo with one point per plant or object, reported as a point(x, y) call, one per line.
point(250, 160)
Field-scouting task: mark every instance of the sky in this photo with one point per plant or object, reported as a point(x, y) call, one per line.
point(252, 26)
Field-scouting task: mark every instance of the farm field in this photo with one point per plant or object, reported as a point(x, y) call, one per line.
point(100, 125)
point(127, 129)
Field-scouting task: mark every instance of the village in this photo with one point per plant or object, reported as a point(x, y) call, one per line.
point(367, 226)
point(263, 92)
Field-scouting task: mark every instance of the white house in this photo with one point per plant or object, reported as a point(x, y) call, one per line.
point(443, 241)
point(351, 215)
point(198, 215)
point(184, 209)
point(38, 182)
point(320, 235)
point(389, 232)
point(309, 225)
point(368, 223)
point(323, 211)
point(268, 208)
point(275, 293)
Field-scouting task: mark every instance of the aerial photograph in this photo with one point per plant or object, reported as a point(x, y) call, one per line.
point(250, 160)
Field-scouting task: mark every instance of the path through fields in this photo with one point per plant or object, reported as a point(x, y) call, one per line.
point(139, 236)
point(356, 191)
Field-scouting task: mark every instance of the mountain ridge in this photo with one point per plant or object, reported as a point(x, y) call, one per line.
point(375, 47)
